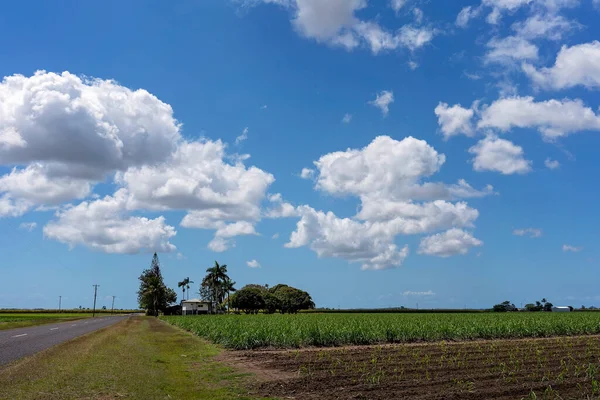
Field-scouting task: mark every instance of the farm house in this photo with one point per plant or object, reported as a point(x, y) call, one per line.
point(561, 309)
point(195, 307)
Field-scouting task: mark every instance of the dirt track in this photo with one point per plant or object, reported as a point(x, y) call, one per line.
point(558, 368)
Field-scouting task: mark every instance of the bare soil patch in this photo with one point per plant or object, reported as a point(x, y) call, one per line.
point(555, 368)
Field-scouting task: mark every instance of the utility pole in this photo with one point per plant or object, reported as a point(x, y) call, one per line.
point(113, 305)
point(59, 301)
point(95, 292)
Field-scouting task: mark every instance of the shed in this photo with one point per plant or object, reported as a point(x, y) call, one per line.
point(195, 306)
point(561, 309)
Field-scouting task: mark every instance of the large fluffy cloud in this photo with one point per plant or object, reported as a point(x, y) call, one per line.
point(62, 133)
point(82, 126)
point(389, 169)
point(218, 195)
point(387, 177)
point(576, 65)
point(330, 236)
point(197, 177)
point(104, 225)
point(383, 166)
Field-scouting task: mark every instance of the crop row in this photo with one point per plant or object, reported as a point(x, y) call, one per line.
point(557, 368)
point(302, 330)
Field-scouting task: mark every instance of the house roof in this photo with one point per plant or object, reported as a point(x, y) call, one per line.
point(195, 301)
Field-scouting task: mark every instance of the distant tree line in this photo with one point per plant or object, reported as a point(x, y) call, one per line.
point(543, 305)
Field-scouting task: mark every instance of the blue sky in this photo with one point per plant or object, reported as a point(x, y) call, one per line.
point(374, 153)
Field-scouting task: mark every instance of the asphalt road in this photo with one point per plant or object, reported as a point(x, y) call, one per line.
point(21, 342)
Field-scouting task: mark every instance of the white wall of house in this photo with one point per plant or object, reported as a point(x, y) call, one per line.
point(194, 307)
point(561, 309)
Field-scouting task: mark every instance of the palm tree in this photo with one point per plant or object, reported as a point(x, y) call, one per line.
point(228, 286)
point(182, 285)
point(214, 279)
point(187, 285)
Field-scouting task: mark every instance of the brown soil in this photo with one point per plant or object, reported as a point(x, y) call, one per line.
point(557, 368)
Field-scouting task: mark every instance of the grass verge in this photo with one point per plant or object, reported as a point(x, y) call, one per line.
point(139, 358)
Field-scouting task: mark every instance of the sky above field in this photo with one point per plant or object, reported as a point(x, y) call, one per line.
point(374, 153)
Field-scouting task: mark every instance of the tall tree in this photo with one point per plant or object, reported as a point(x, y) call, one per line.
point(229, 286)
point(212, 286)
point(187, 285)
point(182, 285)
point(153, 294)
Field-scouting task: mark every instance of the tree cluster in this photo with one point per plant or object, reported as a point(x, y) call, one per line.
point(505, 306)
point(280, 298)
point(216, 287)
point(153, 294)
point(539, 306)
point(543, 305)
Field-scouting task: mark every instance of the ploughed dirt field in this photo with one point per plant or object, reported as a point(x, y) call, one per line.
point(555, 368)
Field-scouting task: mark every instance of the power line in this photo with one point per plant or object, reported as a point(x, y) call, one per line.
point(113, 305)
point(59, 302)
point(95, 292)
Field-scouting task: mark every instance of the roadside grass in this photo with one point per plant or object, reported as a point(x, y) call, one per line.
point(22, 320)
point(139, 358)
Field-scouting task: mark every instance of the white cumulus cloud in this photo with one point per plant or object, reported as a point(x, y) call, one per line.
point(307, 173)
point(107, 127)
point(509, 50)
point(578, 65)
point(454, 120)
point(103, 225)
point(253, 264)
point(494, 154)
point(553, 118)
point(383, 101)
point(449, 243)
point(551, 164)
point(280, 208)
point(387, 176)
point(198, 179)
point(334, 22)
